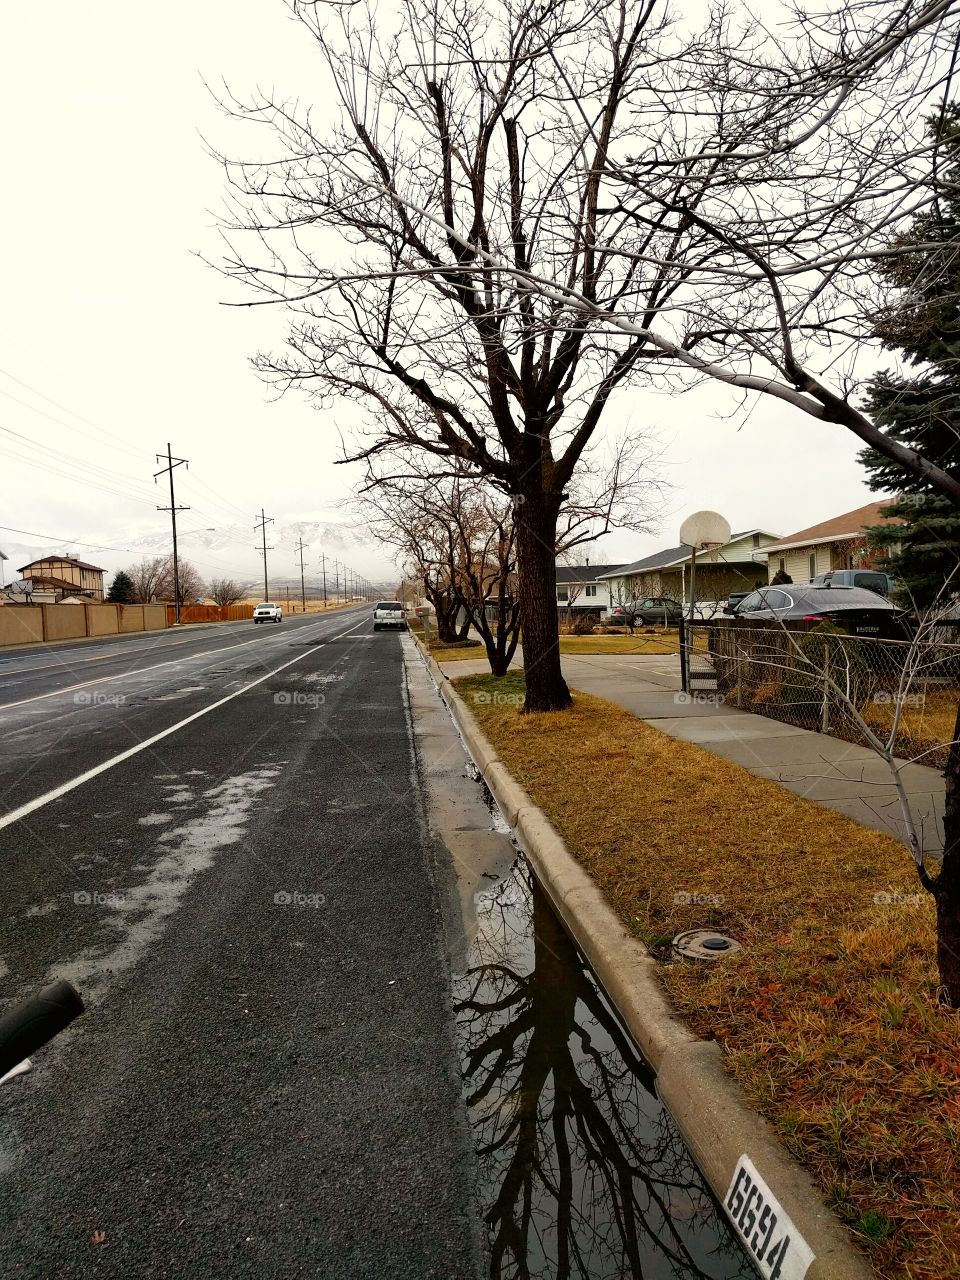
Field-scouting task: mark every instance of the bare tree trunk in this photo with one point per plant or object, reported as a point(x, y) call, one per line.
point(546, 689)
point(946, 889)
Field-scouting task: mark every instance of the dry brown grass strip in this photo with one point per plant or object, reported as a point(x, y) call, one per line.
point(829, 1018)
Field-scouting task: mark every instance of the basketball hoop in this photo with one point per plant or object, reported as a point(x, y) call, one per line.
point(703, 531)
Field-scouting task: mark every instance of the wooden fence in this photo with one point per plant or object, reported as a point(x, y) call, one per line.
point(210, 613)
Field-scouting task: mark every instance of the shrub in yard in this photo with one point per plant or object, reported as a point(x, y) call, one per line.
point(819, 652)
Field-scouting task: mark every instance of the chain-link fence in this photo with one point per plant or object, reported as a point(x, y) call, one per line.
point(816, 677)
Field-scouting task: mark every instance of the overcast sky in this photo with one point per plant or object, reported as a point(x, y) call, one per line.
point(108, 312)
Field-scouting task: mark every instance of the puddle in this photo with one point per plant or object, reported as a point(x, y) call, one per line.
point(582, 1172)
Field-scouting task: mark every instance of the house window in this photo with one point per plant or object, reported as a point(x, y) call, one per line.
point(783, 564)
point(756, 539)
point(813, 564)
point(590, 591)
point(563, 594)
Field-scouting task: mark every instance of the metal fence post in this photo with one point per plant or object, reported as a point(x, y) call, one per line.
point(825, 709)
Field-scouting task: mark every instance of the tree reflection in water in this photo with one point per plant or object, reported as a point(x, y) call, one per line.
point(582, 1171)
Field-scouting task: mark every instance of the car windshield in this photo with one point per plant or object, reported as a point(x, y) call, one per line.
point(393, 605)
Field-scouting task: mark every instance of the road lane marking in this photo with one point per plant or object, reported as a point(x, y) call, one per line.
point(121, 675)
point(121, 650)
point(117, 649)
point(48, 796)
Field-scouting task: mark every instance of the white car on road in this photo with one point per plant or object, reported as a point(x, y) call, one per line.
point(267, 613)
point(389, 613)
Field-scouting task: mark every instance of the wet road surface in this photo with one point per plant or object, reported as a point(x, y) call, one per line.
point(266, 1082)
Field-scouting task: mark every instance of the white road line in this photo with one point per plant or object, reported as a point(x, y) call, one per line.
point(117, 649)
point(135, 671)
point(32, 805)
point(121, 649)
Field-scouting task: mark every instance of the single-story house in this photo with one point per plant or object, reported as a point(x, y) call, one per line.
point(63, 575)
point(583, 588)
point(736, 566)
point(839, 543)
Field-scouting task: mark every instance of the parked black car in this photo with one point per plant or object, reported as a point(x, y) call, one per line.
point(852, 609)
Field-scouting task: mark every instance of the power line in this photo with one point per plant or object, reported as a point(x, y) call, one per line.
point(100, 546)
point(61, 455)
point(73, 542)
point(121, 444)
point(40, 465)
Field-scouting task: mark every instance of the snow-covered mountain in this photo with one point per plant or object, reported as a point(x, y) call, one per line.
point(227, 551)
point(328, 536)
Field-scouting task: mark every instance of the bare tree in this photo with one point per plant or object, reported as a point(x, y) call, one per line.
point(227, 591)
point(480, 122)
point(146, 578)
point(191, 584)
point(485, 530)
point(402, 513)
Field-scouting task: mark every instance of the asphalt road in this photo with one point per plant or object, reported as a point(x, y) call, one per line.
point(217, 834)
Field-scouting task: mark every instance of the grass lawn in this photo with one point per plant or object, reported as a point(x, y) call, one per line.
point(463, 651)
point(926, 724)
point(652, 640)
point(644, 642)
point(828, 1018)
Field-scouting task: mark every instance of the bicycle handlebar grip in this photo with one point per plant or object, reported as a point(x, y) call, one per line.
point(30, 1025)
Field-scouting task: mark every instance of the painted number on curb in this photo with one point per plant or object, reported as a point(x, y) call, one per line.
point(777, 1248)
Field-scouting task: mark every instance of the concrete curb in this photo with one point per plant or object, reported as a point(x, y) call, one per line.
point(709, 1107)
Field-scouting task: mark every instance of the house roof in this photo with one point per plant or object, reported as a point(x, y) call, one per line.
point(837, 529)
point(51, 580)
point(680, 555)
point(567, 573)
point(79, 564)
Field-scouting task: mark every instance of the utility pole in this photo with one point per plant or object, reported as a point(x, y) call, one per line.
point(336, 581)
point(261, 524)
point(303, 589)
point(323, 566)
point(173, 509)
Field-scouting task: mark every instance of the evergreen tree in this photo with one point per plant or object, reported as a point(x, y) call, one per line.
point(121, 589)
point(922, 410)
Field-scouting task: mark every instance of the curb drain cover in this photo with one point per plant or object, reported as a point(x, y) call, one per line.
point(704, 944)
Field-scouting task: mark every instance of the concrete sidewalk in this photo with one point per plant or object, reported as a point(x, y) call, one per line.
point(838, 774)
